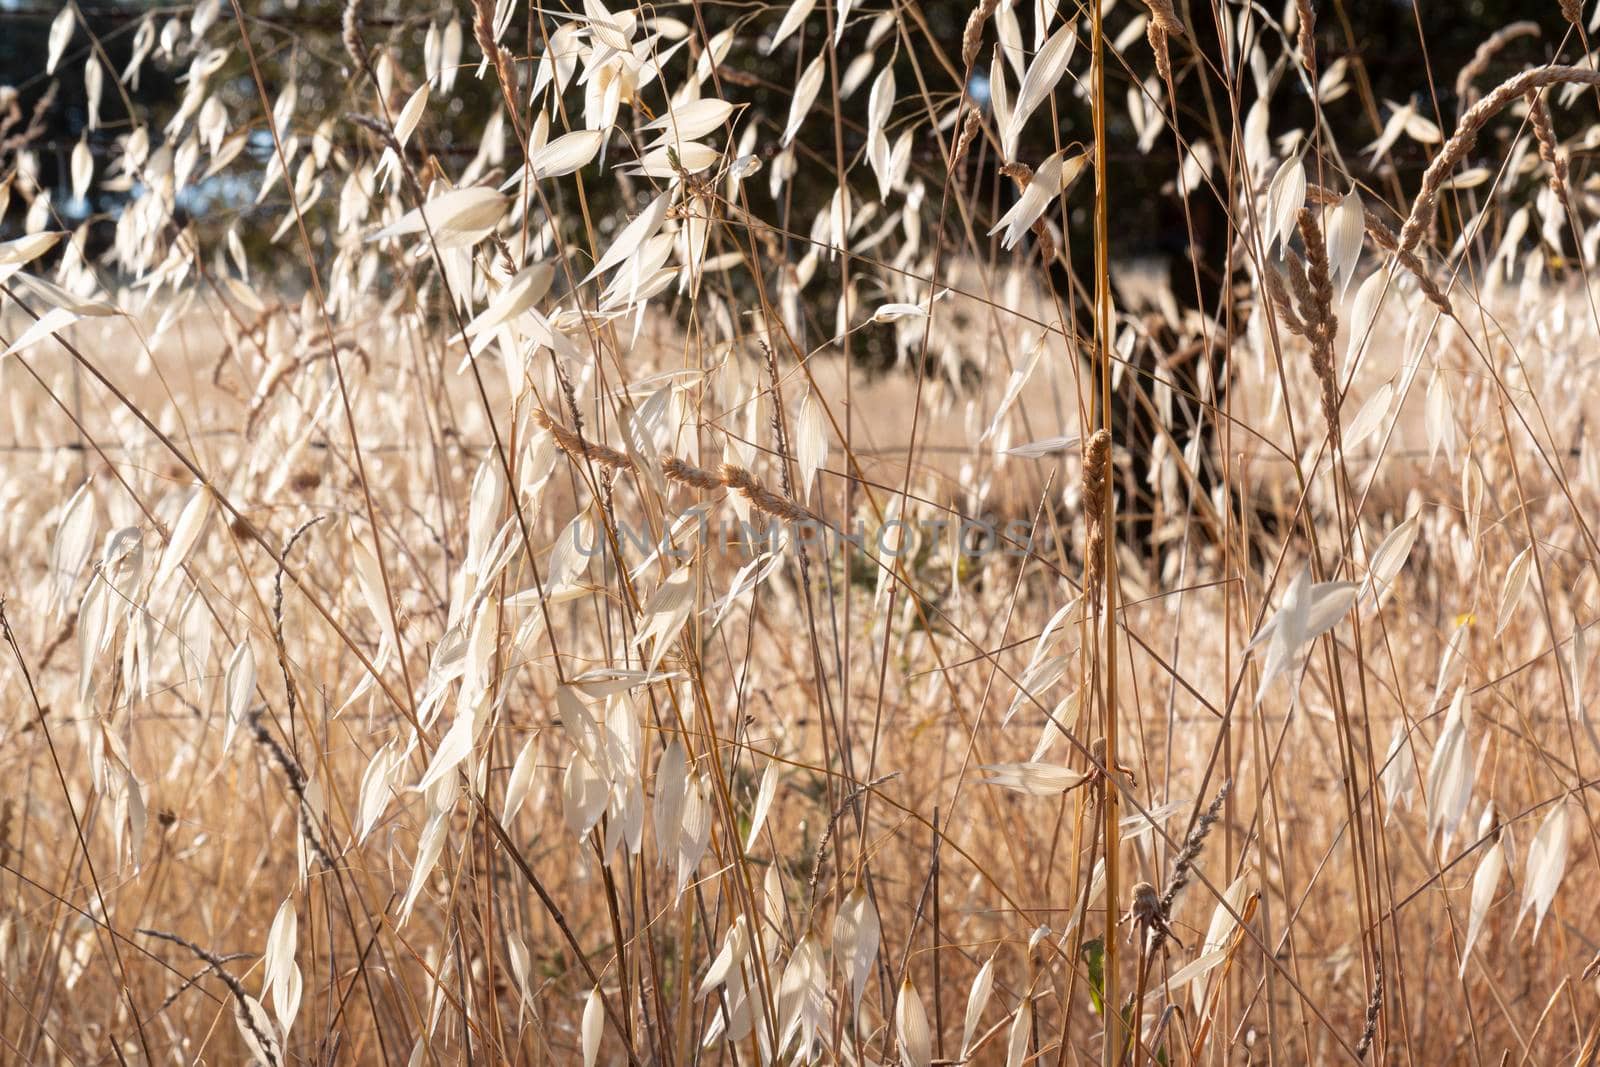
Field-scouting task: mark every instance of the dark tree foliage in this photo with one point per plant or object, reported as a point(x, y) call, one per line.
point(1398, 51)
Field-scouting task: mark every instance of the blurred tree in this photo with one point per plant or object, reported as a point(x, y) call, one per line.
point(1395, 54)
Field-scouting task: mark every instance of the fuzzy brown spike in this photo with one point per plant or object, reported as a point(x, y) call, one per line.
point(1163, 15)
point(972, 36)
point(730, 475)
point(1321, 323)
point(1278, 293)
point(1096, 483)
point(1163, 24)
point(763, 499)
point(1308, 35)
point(350, 33)
point(1374, 1007)
point(969, 132)
point(698, 477)
point(1549, 148)
point(574, 445)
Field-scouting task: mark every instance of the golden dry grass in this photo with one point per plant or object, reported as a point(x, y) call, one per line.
point(324, 744)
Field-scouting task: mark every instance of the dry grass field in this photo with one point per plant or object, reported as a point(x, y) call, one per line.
point(460, 657)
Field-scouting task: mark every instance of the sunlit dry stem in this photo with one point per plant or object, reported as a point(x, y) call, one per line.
point(1103, 506)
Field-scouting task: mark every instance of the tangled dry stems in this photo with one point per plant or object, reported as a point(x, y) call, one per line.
point(525, 806)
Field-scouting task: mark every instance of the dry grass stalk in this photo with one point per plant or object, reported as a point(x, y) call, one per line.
point(1426, 205)
point(1369, 1031)
point(972, 35)
point(1193, 843)
point(1385, 240)
point(1549, 148)
point(1307, 35)
point(1322, 325)
point(728, 476)
point(11, 144)
point(1491, 47)
point(970, 124)
point(1096, 483)
point(293, 773)
point(245, 1008)
point(764, 499)
point(1162, 25)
